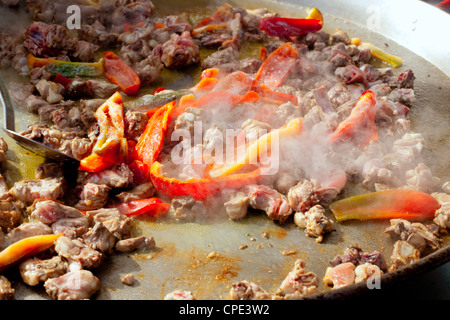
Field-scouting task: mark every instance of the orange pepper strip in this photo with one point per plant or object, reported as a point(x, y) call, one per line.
point(390, 204)
point(277, 66)
point(25, 248)
point(199, 188)
point(151, 140)
point(118, 72)
point(360, 124)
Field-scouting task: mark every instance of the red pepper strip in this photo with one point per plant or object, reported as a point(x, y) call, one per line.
point(151, 206)
point(390, 204)
point(276, 67)
point(141, 171)
point(96, 163)
point(151, 140)
point(236, 83)
point(26, 248)
point(282, 27)
point(118, 72)
point(277, 96)
point(199, 188)
point(360, 124)
point(59, 78)
point(444, 4)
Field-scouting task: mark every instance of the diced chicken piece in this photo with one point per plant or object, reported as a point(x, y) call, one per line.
point(119, 176)
point(75, 251)
point(49, 91)
point(71, 227)
point(340, 276)
point(357, 256)
point(303, 196)
point(116, 223)
point(93, 196)
point(50, 211)
point(131, 244)
point(186, 208)
point(74, 285)
point(30, 190)
point(367, 271)
point(442, 216)
point(99, 238)
point(315, 222)
point(179, 295)
point(35, 270)
point(416, 233)
point(421, 179)
point(269, 200)
point(245, 290)
point(10, 214)
point(142, 191)
point(298, 283)
point(403, 254)
point(236, 204)
point(128, 279)
point(6, 290)
point(26, 230)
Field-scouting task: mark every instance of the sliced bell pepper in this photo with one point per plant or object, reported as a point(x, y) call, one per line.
point(360, 124)
point(383, 55)
point(236, 82)
point(96, 163)
point(148, 102)
point(67, 68)
point(151, 140)
point(120, 73)
point(315, 14)
point(390, 204)
point(199, 188)
point(25, 248)
point(276, 67)
point(256, 148)
point(280, 97)
point(151, 206)
point(283, 27)
point(141, 171)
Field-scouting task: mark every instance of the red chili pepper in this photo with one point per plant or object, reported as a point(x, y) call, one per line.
point(59, 78)
point(118, 72)
point(283, 27)
point(199, 188)
point(151, 140)
point(151, 206)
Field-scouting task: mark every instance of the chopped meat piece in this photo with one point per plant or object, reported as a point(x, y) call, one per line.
point(186, 208)
point(75, 251)
point(236, 204)
point(406, 79)
point(30, 190)
point(269, 200)
point(245, 290)
point(6, 290)
point(226, 56)
point(375, 172)
point(350, 74)
point(50, 211)
point(35, 270)
point(179, 295)
point(128, 279)
point(74, 285)
point(131, 244)
point(416, 233)
point(93, 196)
point(298, 283)
point(442, 216)
point(149, 69)
point(135, 123)
point(100, 89)
point(303, 196)
point(84, 51)
point(100, 238)
point(119, 176)
point(365, 271)
point(71, 227)
point(340, 276)
point(421, 179)
point(49, 170)
point(315, 222)
point(3, 149)
point(10, 214)
point(403, 254)
point(357, 256)
point(46, 40)
point(49, 91)
point(180, 51)
point(26, 230)
point(116, 223)
point(142, 191)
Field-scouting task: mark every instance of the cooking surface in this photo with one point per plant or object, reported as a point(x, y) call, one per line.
point(206, 258)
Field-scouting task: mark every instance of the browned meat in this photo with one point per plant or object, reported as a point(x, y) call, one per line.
point(269, 200)
point(403, 254)
point(6, 290)
point(179, 295)
point(3, 149)
point(131, 244)
point(50, 211)
point(76, 251)
point(26, 230)
point(93, 196)
point(406, 79)
point(135, 123)
point(149, 69)
point(186, 208)
point(131, 12)
point(128, 279)
point(303, 196)
point(236, 204)
point(298, 283)
point(10, 214)
point(142, 191)
point(350, 74)
point(116, 223)
point(45, 40)
point(357, 256)
point(71, 227)
point(97, 34)
point(50, 91)
point(180, 51)
point(84, 51)
point(315, 222)
point(245, 290)
point(30, 190)
point(34, 270)
point(74, 285)
point(442, 216)
point(119, 176)
point(226, 59)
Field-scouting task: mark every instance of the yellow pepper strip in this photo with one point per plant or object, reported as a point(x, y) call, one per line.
point(257, 147)
point(355, 41)
point(315, 14)
point(383, 56)
point(25, 248)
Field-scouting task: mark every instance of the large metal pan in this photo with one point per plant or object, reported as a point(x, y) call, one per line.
point(206, 258)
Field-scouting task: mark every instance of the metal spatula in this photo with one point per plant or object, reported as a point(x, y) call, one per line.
point(29, 144)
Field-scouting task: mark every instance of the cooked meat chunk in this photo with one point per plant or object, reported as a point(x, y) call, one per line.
point(366, 271)
point(93, 196)
point(403, 254)
point(119, 176)
point(303, 196)
point(10, 214)
point(74, 285)
point(442, 216)
point(179, 295)
point(415, 233)
point(83, 51)
point(30, 190)
point(35, 270)
point(340, 276)
point(421, 179)
point(50, 211)
point(50, 91)
point(46, 40)
point(71, 227)
point(245, 290)
point(142, 191)
point(75, 251)
point(186, 208)
point(236, 204)
point(26, 230)
point(315, 222)
point(135, 123)
point(49, 170)
point(116, 223)
point(269, 200)
point(375, 172)
point(100, 238)
point(298, 283)
point(180, 51)
point(131, 244)
point(357, 256)
point(128, 279)
point(226, 58)
point(6, 290)
point(3, 149)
